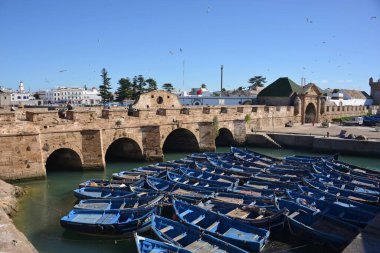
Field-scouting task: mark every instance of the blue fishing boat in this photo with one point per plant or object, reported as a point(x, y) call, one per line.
point(128, 175)
point(348, 185)
point(102, 193)
point(109, 222)
point(190, 238)
point(276, 178)
point(120, 204)
point(338, 200)
point(254, 156)
point(243, 199)
point(313, 225)
point(209, 176)
point(199, 182)
point(334, 209)
point(234, 168)
point(146, 245)
point(269, 217)
point(238, 174)
point(104, 183)
point(162, 185)
point(361, 197)
point(250, 191)
point(270, 185)
point(233, 231)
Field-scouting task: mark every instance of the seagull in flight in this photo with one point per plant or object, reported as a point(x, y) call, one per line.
point(63, 70)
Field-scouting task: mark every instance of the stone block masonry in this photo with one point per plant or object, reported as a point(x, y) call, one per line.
point(86, 137)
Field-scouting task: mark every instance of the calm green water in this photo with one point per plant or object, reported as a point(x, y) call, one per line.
point(48, 200)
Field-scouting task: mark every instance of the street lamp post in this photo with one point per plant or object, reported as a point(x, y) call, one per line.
point(221, 80)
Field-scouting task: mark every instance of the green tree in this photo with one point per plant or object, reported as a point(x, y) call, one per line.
point(105, 88)
point(138, 86)
point(152, 84)
point(256, 81)
point(168, 87)
point(125, 89)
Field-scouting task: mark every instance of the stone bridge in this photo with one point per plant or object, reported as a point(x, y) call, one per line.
point(33, 142)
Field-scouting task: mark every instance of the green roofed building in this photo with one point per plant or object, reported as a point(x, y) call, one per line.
point(305, 99)
point(281, 92)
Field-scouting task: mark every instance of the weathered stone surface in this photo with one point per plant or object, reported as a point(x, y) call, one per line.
point(11, 239)
point(27, 142)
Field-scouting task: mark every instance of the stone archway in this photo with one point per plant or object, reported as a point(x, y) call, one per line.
point(310, 113)
point(63, 159)
point(124, 149)
point(182, 140)
point(225, 138)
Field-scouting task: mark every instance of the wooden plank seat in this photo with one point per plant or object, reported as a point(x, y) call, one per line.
point(166, 229)
point(179, 237)
point(294, 214)
point(198, 219)
point(238, 213)
point(230, 200)
point(201, 246)
point(234, 233)
point(213, 226)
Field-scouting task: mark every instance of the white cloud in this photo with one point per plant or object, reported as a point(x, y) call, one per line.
point(324, 81)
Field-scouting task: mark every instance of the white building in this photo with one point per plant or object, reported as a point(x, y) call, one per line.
point(76, 96)
point(18, 97)
point(345, 97)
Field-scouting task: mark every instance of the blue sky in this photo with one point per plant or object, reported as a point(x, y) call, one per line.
point(334, 43)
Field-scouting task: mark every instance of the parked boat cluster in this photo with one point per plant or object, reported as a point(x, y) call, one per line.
point(230, 202)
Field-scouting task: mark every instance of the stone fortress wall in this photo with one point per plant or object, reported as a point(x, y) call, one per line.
point(29, 137)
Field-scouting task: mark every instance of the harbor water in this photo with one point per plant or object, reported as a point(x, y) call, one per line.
point(48, 200)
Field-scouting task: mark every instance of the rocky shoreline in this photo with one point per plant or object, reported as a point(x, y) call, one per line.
point(11, 239)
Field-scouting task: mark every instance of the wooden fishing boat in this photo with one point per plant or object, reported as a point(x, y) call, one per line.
point(221, 171)
point(120, 204)
point(270, 185)
point(338, 200)
point(354, 170)
point(348, 185)
point(313, 225)
point(250, 191)
point(109, 222)
point(276, 178)
point(104, 183)
point(199, 182)
point(350, 214)
point(361, 197)
point(161, 185)
point(269, 217)
point(190, 238)
point(146, 245)
point(102, 193)
point(310, 159)
point(243, 199)
point(254, 156)
point(128, 175)
point(209, 176)
point(234, 168)
point(233, 231)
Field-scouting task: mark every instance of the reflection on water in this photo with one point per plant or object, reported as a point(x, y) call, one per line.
point(48, 200)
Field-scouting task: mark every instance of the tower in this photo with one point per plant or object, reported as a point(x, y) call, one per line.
point(21, 87)
point(375, 91)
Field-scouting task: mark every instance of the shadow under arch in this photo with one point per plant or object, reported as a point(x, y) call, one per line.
point(225, 138)
point(124, 149)
point(181, 140)
point(310, 113)
point(63, 159)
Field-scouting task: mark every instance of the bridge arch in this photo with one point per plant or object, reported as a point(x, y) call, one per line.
point(63, 159)
point(124, 149)
point(181, 139)
point(310, 113)
point(225, 138)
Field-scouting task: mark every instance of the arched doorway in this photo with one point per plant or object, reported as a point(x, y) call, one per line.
point(63, 159)
point(124, 149)
point(181, 140)
point(310, 113)
point(225, 138)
